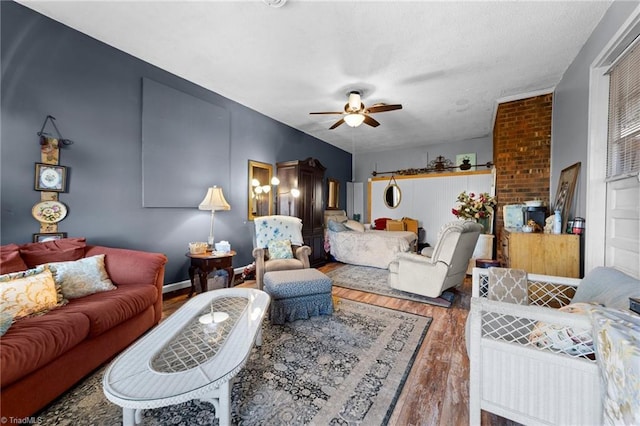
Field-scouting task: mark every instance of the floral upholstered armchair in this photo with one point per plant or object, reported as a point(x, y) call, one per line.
point(278, 245)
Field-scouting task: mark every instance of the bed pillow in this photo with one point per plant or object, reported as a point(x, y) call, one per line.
point(28, 292)
point(381, 223)
point(354, 225)
point(280, 249)
point(10, 260)
point(337, 226)
point(65, 249)
point(559, 338)
point(82, 277)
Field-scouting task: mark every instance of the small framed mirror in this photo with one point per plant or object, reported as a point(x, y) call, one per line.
point(392, 194)
point(260, 192)
point(333, 191)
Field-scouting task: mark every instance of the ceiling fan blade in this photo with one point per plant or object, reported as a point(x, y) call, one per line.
point(337, 123)
point(327, 112)
point(382, 108)
point(370, 121)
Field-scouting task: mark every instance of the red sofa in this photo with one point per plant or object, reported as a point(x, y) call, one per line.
point(43, 356)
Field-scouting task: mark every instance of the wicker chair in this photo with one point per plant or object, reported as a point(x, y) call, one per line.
point(518, 375)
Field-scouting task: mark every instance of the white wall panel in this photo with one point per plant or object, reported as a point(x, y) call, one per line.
point(427, 198)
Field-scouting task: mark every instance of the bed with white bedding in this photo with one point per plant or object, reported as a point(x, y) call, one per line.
point(366, 247)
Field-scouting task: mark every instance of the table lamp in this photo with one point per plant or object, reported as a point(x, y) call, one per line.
point(214, 200)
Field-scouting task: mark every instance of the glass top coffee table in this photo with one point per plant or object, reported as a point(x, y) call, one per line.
point(193, 354)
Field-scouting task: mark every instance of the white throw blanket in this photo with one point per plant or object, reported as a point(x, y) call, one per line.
point(278, 228)
point(370, 248)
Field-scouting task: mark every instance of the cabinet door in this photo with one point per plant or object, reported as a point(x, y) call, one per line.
point(318, 203)
point(547, 254)
point(306, 201)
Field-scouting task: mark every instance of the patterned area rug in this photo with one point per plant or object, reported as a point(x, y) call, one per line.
point(344, 369)
point(374, 280)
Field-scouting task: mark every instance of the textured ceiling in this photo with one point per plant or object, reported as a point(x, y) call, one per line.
point(447, 63)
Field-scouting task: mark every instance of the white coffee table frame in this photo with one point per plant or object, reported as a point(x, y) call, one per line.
point(133, 384)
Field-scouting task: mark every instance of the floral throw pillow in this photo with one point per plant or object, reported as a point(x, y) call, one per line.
point(82, 277)
point(280, 249)
point(28, 292)
point(617, 341)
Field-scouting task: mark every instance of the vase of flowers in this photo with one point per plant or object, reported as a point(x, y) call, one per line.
point(478, 208)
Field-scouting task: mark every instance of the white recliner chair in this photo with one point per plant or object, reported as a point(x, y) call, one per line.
point(438, 268)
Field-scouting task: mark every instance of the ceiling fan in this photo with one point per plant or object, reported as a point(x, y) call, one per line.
point(355, 112)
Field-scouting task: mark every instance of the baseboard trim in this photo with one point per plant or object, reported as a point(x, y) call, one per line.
point(168, 288)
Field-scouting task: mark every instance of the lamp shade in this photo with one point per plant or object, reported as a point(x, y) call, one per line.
point(354, 119)
point(214, 200)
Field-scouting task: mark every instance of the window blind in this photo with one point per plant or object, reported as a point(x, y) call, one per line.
point(623, 148)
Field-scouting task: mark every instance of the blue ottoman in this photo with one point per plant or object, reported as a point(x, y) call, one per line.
point(298, 294)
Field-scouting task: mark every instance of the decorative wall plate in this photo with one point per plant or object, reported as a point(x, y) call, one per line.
point(49, 178)
point(49, 211)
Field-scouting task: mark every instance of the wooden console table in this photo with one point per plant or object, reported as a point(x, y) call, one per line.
point(538, 253)
point(204, 264)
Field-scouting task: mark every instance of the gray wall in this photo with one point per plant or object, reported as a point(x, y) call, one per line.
point(399, 159)
point(570, 127)
point(95, 93)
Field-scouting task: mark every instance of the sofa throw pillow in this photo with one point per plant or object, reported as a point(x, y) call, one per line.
point(28, 292)
point(354, 225)
point(65, 249)
point(10, 260)
point(6, 319)
point(560, 338)
point(337, 226)
point(280, 249)
point(508, 285)
point(82, 277)
point(608, 287)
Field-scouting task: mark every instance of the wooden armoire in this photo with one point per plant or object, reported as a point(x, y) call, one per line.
point(308, 177)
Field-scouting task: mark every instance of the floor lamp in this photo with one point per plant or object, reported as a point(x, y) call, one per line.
point(214, 200)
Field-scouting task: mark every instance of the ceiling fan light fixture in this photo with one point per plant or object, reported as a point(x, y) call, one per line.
point(274, 3)
point(354, 101)
point(354, 120)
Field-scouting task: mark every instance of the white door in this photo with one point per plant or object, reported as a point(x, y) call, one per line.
point(622, 242)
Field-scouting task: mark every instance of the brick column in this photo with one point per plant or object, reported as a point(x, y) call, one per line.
point(522, 153)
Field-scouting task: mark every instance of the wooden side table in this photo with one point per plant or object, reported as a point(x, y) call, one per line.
point(204, 264)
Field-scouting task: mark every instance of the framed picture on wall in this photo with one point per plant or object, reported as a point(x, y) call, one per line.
point(50, 177)
point(564, 193)
point(41, 238)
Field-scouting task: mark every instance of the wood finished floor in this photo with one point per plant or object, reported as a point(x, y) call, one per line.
point(437, 389)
